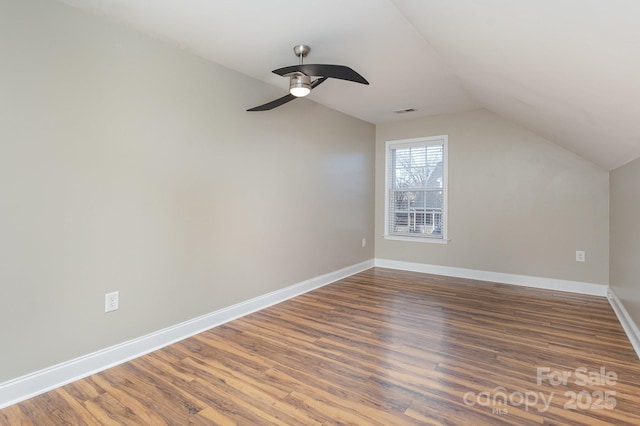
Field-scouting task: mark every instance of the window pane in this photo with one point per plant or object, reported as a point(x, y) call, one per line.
point(416, 212)
point(417, 167)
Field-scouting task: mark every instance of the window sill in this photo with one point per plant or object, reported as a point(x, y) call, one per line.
point(416, 239)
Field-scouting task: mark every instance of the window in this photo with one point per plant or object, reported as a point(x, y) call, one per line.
point(416, 189)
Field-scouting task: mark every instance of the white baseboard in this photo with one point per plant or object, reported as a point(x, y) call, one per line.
point(629, 326)
point(36, 383)
point(499, 277)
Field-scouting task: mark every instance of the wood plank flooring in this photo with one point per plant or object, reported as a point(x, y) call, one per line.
point(382, 347)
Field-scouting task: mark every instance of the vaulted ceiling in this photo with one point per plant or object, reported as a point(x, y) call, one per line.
point(569, 70)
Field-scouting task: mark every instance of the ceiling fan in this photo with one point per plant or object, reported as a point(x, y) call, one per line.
point(300, 83)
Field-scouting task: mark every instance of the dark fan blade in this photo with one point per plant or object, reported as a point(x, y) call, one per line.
point(341, 72)
point(287, 98)
point(318, 82)
point(271, 105)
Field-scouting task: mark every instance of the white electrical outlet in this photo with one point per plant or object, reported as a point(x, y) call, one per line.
point(364, 242)
point(580, 256)
point(111, 301)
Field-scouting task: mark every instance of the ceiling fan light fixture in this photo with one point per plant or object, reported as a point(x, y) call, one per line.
point(300, 85)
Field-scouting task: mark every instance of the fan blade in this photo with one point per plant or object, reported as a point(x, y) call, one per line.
point(287, 98)
point(273, 104)
point(318, 82)
point(341, 72)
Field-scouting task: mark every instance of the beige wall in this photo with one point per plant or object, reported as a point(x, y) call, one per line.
point(517, 203)
point(129, 165)
point(625, 237)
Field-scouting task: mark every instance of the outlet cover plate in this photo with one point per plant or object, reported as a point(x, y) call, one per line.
point(111, 301)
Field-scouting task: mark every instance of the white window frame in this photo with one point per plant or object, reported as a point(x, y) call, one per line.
point(441, 140)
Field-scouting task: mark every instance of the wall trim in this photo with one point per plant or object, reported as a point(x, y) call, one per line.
point(629, 326)
point(30, 385)
point(499, 277)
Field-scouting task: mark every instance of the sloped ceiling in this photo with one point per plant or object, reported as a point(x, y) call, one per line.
point(569, 70)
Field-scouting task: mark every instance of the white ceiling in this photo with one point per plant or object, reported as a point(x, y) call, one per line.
point(568, 70)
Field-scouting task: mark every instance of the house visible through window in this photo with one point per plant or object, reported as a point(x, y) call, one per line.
point(416, 188)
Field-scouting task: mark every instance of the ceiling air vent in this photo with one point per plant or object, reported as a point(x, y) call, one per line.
point(404, 111)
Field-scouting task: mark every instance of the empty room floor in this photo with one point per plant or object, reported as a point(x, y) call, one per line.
point(382, 347)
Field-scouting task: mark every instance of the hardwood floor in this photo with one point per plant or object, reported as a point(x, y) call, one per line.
point(381, 347)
